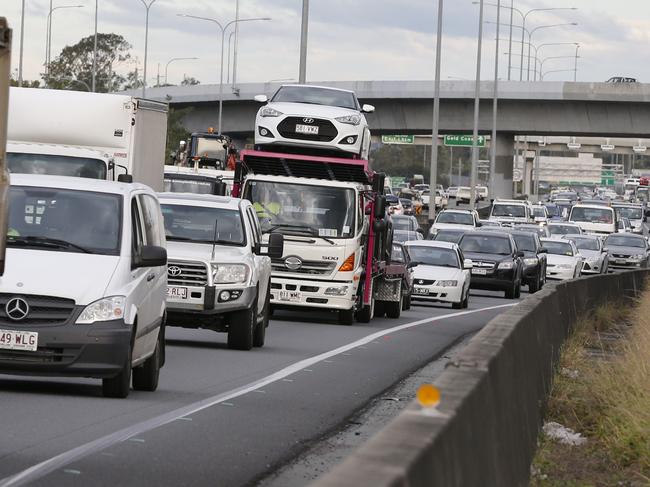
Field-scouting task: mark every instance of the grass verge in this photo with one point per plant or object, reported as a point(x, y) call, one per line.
point(602, 390)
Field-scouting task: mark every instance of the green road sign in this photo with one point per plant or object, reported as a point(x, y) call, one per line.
point(607, 178)
point(463, 140)
point(397, 139)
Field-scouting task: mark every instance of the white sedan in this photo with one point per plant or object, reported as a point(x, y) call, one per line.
point(592, 248)
point(327, 120)
point(563, 259)
point(442, 274)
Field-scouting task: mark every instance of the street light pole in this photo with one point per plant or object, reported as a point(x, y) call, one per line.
point(493, 142)
point(228, 67)
point(302, 72)
point(512, 11)
point(575, 66)
point(477, 100)
point(22, 37)
point(147, 6)
point(223, 29)
point(433, 170)
point(530, 39)
point(234, 55)
point(95, 49)
point(176, 59)
point(48, 55)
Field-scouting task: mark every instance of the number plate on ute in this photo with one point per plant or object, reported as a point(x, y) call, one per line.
point(176, 292)
point(19, 340)
point(292, 296)
point(307, 129)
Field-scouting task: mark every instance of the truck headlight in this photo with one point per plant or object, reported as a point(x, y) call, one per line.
point(230, 273)
point(349, 119)
point(270, 112)
point(336, 291)
point(530, 261)
point(506, 265)
point(447, 283)
point(106, 309)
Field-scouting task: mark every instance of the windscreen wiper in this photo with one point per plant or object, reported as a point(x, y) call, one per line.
point(300, 228)
point(47, 242)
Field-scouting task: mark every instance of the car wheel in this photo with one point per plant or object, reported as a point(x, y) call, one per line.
point(260, 330)
point(510, 292)
point(145, 377)
point(346, 316)
point(120, 385)
point(240, 328)
point(394, 308)
point(517, 290)
point(533, 286)
point(466, 300)
point(457, 305)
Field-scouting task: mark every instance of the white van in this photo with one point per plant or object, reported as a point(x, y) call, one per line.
point(509, 212)
point(83, 292)
point(5, 65)
point(594, 218)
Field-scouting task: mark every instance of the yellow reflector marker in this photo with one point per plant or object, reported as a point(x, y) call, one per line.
point(428, 396)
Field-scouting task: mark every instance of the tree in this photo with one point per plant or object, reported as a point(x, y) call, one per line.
point(189, 81)
point(26, 83)
point(175, 129)
point(74, 66)
point(133, 81)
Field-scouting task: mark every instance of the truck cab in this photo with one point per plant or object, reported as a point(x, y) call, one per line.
point(218, 276)
point(599, 219)
point(509, 212)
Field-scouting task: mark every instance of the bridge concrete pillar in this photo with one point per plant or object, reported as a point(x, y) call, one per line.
point(505, 145)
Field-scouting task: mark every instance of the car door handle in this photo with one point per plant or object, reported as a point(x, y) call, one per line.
point(151, 277)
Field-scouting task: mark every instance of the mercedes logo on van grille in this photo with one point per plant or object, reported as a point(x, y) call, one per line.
point(308, 120)
point(293, 263)
point(174, 271)
point(17, 309)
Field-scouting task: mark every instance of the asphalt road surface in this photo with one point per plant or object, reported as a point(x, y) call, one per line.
point(221, 417)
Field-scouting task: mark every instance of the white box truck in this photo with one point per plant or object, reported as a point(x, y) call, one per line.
point(93, 135)
point(5, 67)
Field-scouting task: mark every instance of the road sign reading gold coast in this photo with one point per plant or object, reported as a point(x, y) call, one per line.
point(463, 140)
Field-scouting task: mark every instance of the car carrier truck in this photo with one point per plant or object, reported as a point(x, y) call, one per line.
point(93, 135)
point(337, 236)
point(5, 68)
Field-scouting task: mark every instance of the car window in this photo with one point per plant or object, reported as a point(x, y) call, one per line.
point(515, 211)
point(433, 256)
point(316, 96)
point(525, 243)
point(152, 225)
point(485, 244)
point(625, 241)
point(558, 248)
point(137, 232)
point(457, 218)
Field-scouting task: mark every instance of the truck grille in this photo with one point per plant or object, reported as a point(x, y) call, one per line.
point(326, 129)
point(43, 310)
point(308, 267)
point(187, 274)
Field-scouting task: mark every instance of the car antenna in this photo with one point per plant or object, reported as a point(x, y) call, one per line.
point(214, 239)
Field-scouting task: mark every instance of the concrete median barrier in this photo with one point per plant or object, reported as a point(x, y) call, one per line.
point(484, 431)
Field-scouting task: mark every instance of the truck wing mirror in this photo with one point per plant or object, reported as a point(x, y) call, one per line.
point(380, 206)
point(125, 178)
point(276, 246)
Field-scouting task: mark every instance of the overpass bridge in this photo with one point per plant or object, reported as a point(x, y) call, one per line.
point(405, 107)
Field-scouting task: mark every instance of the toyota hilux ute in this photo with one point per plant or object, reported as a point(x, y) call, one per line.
point(83, 293)
point(218, 276)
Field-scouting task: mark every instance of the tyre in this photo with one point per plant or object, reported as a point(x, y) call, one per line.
point(120, 385)
point(466, 300)
point(346, 316)
point(145, 377)
point(518, 290)
point(365, 314)
point(380, 309)
point(260, 329)
point(511, 291)
point(457, 305)
point(394, 308)
point(241, 327)
point(535, 285)
point(407, 302)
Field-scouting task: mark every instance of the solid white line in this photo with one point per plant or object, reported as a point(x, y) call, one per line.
point(63, 459)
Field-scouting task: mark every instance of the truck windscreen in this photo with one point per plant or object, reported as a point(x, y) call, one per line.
point(303, 209)
point(210, 148)
point(56, 165)
point(196, 186)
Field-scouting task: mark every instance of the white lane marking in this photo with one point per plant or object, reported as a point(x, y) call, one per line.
point(61, 460)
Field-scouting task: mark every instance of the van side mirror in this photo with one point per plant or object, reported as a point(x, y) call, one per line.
point(468, 264)
point(150, 256)
point(276, 246)
point(125, 178)
point(412, 264)
point(261, 98)
point(519, 254)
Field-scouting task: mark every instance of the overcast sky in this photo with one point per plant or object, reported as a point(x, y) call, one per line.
point(348, 39)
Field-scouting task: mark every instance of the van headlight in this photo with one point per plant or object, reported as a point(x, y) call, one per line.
point(230, 273)
point(106, 309)
point(349, 119)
